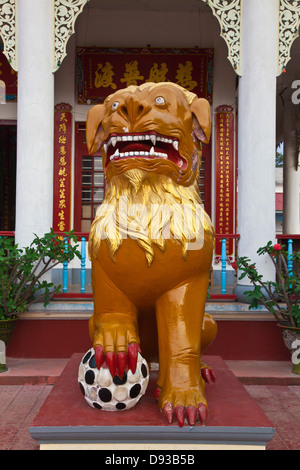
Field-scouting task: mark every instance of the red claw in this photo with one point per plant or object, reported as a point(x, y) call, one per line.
point(191, 412)
point(111, 363)
point(208, 375)
point(133, 349)
point(168, 412)
point(99, 356)
point(121, 363)
point(203, 414)
point(213, 375)
point(179, 413)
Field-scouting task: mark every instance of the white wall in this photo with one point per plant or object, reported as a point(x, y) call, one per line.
point(8, 111)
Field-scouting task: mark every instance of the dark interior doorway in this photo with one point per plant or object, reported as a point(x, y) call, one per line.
point(8, 151)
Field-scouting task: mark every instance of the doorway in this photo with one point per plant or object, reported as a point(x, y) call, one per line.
point(8, 152)
point(89, 183)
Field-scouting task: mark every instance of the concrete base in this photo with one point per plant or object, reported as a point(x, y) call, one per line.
point(65, 421)
point(239, 292)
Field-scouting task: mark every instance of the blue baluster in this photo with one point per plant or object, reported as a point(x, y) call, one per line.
point(65, 269)
point(290, 257)
point(223, 265)
point(82, 269)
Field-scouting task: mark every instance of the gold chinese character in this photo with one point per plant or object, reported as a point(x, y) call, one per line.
point(132, 73)
point(62, 161)
point(157, 75)
point(62, 172)
point(62, 150)
point(184, 76)
point(61, 215)
point(62, 139)
point(61, 226)
point(62, 204)
point(62, 128)
point(104, 76)
point(63, 117)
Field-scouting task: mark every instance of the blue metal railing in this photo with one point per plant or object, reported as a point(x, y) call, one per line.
point(224, 267)
point(82, 268)
point(290, 257)
point(225, 261)
point(65, 269)
point(293, 244)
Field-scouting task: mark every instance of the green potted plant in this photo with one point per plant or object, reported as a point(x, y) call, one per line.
point(22, 274)
point(280, 297)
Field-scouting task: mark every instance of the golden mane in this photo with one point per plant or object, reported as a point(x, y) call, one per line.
point(149, 208)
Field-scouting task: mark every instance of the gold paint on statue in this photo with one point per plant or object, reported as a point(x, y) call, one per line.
point(150, 258)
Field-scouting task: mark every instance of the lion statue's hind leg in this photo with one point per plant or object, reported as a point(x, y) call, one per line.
point(180, 334)
point(209, 332)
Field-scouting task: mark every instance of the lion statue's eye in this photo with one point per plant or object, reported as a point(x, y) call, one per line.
point(160, 100)
point(115, 105)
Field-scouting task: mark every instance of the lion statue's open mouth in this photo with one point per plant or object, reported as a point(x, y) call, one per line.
point(156, 127)
point(142, 145)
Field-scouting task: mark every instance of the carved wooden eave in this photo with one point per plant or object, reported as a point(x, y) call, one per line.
point(8, 27)
point(65, 15)
point(228, 14)
point(66, 12)
point(289, 22)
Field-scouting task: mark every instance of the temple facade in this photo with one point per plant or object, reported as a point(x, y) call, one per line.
point(60, 57)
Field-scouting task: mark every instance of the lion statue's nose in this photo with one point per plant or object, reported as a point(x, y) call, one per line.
point(134, 108)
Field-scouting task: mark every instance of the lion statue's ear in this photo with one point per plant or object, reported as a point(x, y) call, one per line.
point(201, 120)
point(93, 124)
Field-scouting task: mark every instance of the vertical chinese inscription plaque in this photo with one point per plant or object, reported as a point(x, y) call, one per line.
point(62, 168)
point(225, 178)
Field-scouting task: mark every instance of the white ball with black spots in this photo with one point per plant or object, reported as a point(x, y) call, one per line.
point(104, 392)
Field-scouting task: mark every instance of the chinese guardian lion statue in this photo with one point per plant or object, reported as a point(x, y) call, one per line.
point(150, 278)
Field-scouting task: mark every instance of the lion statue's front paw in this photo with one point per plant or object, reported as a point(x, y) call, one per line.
point(116, 345)
point(186, 405)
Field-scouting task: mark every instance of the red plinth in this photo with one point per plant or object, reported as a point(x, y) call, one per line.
point(234, 417)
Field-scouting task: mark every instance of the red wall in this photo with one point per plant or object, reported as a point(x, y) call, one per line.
point(236, 340)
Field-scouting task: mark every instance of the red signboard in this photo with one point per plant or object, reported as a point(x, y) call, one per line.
point(101, 71)
point(225, 178)
point(62, 168)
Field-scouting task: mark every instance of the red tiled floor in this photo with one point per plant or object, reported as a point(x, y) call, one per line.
point(19, 404)
point(27, 371)
point(282, 406)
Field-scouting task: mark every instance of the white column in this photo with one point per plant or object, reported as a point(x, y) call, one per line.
point(35, 49)
point(290, 172)
point(256, 133)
